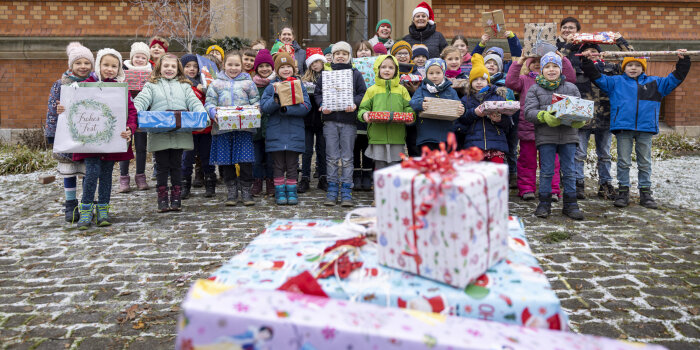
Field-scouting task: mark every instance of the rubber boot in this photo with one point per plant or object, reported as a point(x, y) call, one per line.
point(85, 216)
point(623, 197)
point(210, 185)
point(346, 196)
point(322, 183)
point(163, 205)
point(571, 208)
point(176, 198)
point(257, 187)
point(72, 211)
point(232, 193)
point(357, 179)
point(292, 198)
point(186, 187)
point(246, 196)
point(645, 198)
point(580, 189)
point(281, 194)
point(544, 208)
point(367, 180)
point(331, 194)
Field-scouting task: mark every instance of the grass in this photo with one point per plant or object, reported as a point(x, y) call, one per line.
point(20, 159)
point(556, 237)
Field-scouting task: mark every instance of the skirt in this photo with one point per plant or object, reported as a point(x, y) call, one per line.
point(232, 148)
point(387, 153)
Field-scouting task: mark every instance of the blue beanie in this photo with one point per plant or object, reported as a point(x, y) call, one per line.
point(420, 50)
point(497, 50)
point(185, 59)
point(436, 62)
point(550, 57)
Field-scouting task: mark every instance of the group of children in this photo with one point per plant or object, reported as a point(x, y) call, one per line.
point(348, 145)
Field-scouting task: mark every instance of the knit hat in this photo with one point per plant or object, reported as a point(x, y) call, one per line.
point(217, 48)
point(641, 61)
point(263, 56)
point(140, 47)
point(382, 22)
point(379, 48)
point(586, 46)
point(282, 58)
point(436, 62)
point(495, 50)
point(187, 58)
point(314, 54)
point(328, 50)
point(478, 69)
point(550, 57)
point(495, 57)
point(107, 51)
point(162, 44)
point(342, 46)
point(423, 7)
point(420, 50)
point(400, 45)
point(75, 50)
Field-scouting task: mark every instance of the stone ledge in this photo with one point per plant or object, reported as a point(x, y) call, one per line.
point(12, 48)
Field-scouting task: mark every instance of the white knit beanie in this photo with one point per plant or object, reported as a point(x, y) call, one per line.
point(140, 47)
point(75, 50)
point(107, 51)
point(342, 46)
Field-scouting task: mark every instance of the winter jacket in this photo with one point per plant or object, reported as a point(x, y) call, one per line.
point(388, 44)
point(589, 91)
point(358, 90)
point(537, 100)
point(385, 96)
point(516, 50)
point(52, 114)
point(499, 80)
point(299, 56)
point(635, 103)
point(482, 132)
point(168, 94)
point(432, 130)
point(226, 91)
point(285, 125)
point(313, 119)
point(521, 84)
point(429, 37)
point(202, 98)
point(570, 50)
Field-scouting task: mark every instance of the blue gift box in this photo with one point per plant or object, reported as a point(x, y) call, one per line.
point(177, 121)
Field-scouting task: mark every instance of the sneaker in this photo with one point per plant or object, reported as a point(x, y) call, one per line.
point(555, 198)
point(346, 195)
point(623, 197)
point(528, 196)
point(103, 215)
point(607, 191)
point(331, 194)
point(645, 198)
point(86, 216)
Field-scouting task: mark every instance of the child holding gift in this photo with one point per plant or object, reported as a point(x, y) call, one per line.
point(285, 131)
point(386, 140)
point(420, 56)
point(233, 88)
point(313, 124)
point(453, 61)
point(99, 166)
point(168, 89)
point(80, 64)
point(262, 167)
point(433, 131)
point(636, 98)
point(158, 47)
point(552, 137)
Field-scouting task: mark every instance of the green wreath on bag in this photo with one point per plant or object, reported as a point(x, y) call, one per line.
point(103, 136)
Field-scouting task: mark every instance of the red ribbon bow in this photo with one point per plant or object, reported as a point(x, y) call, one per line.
point(291, 84)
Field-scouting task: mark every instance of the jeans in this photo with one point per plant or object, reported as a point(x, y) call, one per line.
point(140, 142)
point(97, 170)
point(309, 152)
point(548, 153)
point(527, 169)
point(168, 164)
point(603, 137)
point(202, 148)
point(340, 142)
point(642, 146)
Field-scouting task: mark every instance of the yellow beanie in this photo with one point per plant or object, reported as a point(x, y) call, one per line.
point(641, 61)
point(217, 48)
point(478, 69)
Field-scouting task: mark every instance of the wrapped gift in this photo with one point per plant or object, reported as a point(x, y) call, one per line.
point(595, 38)
point(494, 23)
point(514, 291)
point(441, 108)
point(166, 121)
point(540, 38)
point(337, 89)
point(136, 79)
point(289, 92)
point(411, 78)
point(571, 109)
point(219, 317)
point(459, 83)
point(237, 117)
point(390, 117)
point(207, 69)
point(366, 66)
point(503, 107)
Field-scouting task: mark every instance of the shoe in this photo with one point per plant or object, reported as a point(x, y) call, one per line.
point(292, 198)
point(210, 186)
point(357, 179)
point(176, 198)
point(367, 180)
point(645, 198)
point(246, 196)
point(103, 215)
point(186, 187)
point(513, 181)
point(303, 185)
point(72, 211)
point(124, 184)
point(544, 208)
point(198, 177)
point(316, 174)
point(607, 191)
point(141, 183)
point(580, 189)
point(346, 195)
point(163, 205)
point(269, 187)
point(331, 194)
point(232, 193)
point(555, 198)
point(281, 194)
point(322, 183)
point(85, 216)
point(153, 176)
point(623, 197)
point(257, 187)
point(571, 208)
point(528, 196)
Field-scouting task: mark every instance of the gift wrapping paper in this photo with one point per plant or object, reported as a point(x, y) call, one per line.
point(366, 66)
point(238, 117)
point(411, 78)
point(165, 121)
point(390, 117)
point(441, 108)
point(538, 33)
point(289, 92)
point(503, 107)
point(136, 79)
point(494, 23)
point(596, 38)
point(459, 83)
point(337, 89)
point(571, 109)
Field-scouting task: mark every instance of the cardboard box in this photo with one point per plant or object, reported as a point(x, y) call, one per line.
point(494, 23)
point(441, 108)
point(539, 39)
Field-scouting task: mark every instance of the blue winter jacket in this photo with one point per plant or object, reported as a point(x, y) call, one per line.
point(481, 132)
point(285, 125)
point(516, 50)
point(432, 130)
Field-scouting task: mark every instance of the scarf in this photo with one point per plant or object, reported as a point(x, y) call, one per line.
point(452, 73)
point(434, 89)
point(263, 82)
point(69, 74)
point(546, 84)
point(383, 41)
point(532, 75)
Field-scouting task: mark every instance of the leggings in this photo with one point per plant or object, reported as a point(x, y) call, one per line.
point(168, 164)
point(140, 155)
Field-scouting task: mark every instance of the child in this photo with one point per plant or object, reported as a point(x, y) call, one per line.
point(99, 166)
point(138, 60)
point(527, 159)
point(636, 97)
point(379, 49)
point(285, 132)
point(80, 64)
point(258, 45)
point(339, 129)
point(486, 132)
point(433, 131)
point(362, 174)
point(168, 90)
point(233, 88)
point(313, 124)
point(386, 140)
point(420, 56)
point(217, 51)
point(249, 61)
point(516, 50)
point(363, 49)
point(552, 137)
point(460, 43)
point(453, 61)
point(262, 167)
point(328, 52)
point(158, 47)
point(402, 51)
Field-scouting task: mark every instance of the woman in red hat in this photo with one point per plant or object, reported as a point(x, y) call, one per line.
point(423, 31)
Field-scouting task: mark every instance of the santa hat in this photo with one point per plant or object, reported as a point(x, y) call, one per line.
point(107, 51)
point(314, 54)
point(380, 49)
point(140, 47)
point(423, 7)
point(75, 50)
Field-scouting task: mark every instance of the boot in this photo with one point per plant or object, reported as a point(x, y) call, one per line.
point(303, 185)
point(555, 198)
point(210, 185)
point(292, 198)
point(570, 208)
point(246, 196)
point(528, 196)
point(103, 215)
point(232, 196)
point(346, 195)
point(580, 189)
point(141, 183)
point(124, 183)
point(198, 176)
point(607, 191)
point(322, 183)
point(316, 174)
point(269, 187)
point(623, 197)
point(72, 211)
point(645, 198)
point(186, 187)
point(176, 198)
point(85, 216)
point(257, 187)
point(163, 199)
point(367, 180)
point(357, 179)
point(545, 207)
point(281, 194)
point(331, 194)
point(513, 181)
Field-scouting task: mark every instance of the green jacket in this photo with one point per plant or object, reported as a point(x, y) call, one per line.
point(168, 94)
point(385, 96)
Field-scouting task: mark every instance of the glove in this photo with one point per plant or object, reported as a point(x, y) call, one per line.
point(548, 118)
point(578, 125)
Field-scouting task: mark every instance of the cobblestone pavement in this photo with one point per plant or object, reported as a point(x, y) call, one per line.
point(630, 274)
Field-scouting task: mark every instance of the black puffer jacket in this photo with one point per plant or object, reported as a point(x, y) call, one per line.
point(429, 37)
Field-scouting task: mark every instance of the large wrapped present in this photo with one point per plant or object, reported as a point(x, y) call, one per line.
point(136, 79)
point(337, 89)
point(502, 107)
point(166, 121)
point(441, 108)
point(366, 66)
point(494, 23)
point(207, 69)
point(237, 118)
point(595, 38)
point(571, 109)
point(390, 117)
point(289, 92)
point(540, 38)
point(217, 317)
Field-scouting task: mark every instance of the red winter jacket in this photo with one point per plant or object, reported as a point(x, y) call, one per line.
point(202, 98)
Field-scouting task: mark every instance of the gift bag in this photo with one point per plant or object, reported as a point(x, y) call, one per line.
point(237, 118)
point(337, 89)
point(366, 66)
point(136, 79)
point(289, 92)
point(207, 69)
point(571, 109)
point(167, 121)
point(540, 38)
point(503, 107)
point(441, 108)
point(95, 116)
point(494, 23)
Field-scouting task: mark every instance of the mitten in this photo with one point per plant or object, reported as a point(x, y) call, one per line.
point(578, 125)
point(548, 118)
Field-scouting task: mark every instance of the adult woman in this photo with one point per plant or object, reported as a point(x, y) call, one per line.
point(383, 35)
point(287, 38)
point(422, 31)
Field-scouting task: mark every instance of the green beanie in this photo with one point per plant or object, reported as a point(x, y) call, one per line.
point(328, 49)
point(384, 21)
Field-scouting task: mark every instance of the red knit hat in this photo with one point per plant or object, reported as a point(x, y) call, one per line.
point(379, 48)
point(423, 7)
point(314, 54)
